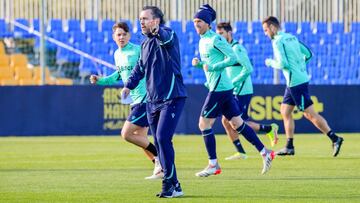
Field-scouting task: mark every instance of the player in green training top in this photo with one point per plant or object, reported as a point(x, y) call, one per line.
point(135, 128)
point(216, 55)
point(240, 75)
point(291, 57)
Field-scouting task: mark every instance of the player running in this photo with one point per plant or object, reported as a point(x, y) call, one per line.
point(291, 57)
point(240, 76)
point(216, 54)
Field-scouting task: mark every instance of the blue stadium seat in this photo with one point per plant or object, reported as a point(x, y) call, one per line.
point(311, 38)
point(137, 26)
point(36, 24)
point(241, 27)
point(189, 26)
point(337, 27)
point(100, 49)
point(113, 47)
point(19, 32)
point(73, 25)
point(95, 37)
point(192, 37)
point(136, 38)
point(256, 27)
point(248, 39)
point(261, 38)
point(328, 38)
point(107, 25)
point(66, 56)
point(291, 27)
point(83, 46)
point(305, 27)
point(321, 27)
point(176, 26)
point(345, 38)
point(61, 36)
point(77, 36)
point(108, 36)
point(88, 67)
point(355, 27)
point(91, 25)
point(4, 31)
point(55, 25)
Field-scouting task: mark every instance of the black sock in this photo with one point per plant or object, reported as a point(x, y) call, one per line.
point(265, 128)
point(333, 137)
point(151, 148)
point(239, 146)
point(289, 143)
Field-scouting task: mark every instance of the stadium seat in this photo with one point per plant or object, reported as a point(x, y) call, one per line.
point(305, 27)
point(100, 48)
point(107, 25)
point(77, 37)
point(355, 27)
point(22, 73)
point(10, 82)
point(36, 24)
point(55, 25)
point(73, 25)
point(37, 76)
point(249, 39)
point(189, 26)
point(63, 81)
point(321, 27)
point(328, 38)
point(4, 31)
point(84, 46)
point(66, 56)
point(176, 26)
point(241, 27)
point(95, 37)
point(291, 27)
point(26, 82)
point(256, 27)
point(61, 36)
point(337, 27)
point(19, 32)
point(87, 67)
point(4, 60)
point(18, 60)
point(6, 73)
point(2, 49)
point(91, 25)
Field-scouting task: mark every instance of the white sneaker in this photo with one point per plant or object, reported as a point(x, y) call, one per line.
point(157, 173)
point(209, 170)
point(236, 156)
point(267, 159)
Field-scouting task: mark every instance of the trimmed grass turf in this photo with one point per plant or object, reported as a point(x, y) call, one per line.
point(107, 169)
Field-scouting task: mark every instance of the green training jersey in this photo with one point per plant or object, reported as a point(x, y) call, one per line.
point(216, 52)
point(239, 74)
point(291, 56)
point(125, 60)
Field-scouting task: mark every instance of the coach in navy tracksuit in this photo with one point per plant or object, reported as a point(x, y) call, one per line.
point(159, 63)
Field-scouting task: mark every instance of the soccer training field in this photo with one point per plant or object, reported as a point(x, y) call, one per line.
point(107, 169)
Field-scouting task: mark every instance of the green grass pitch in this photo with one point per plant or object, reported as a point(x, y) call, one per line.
point(107, 169)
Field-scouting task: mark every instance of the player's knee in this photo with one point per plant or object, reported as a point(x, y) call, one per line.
point(203, 125)
point(308, 116)
point(285, 114)
point(125, 134)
